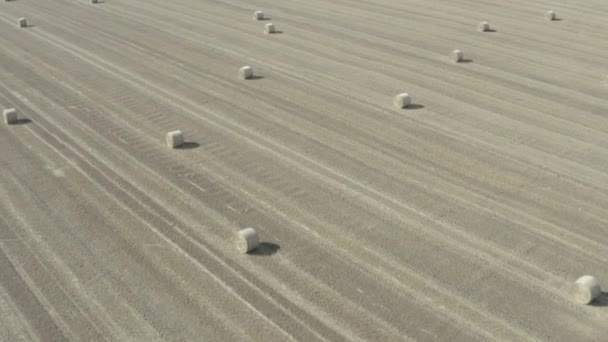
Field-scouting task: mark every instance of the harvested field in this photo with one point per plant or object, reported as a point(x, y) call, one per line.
point(466, 216)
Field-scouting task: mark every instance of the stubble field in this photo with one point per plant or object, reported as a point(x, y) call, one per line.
point(464, 217)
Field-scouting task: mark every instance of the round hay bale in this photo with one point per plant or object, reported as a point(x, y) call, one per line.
point(269, 28)
point(246, 72)
point(402, 100)
point(247, 240)
point(484, 26)
point(22, 22)
point(457, 56)
point(550, 15)
point(175, 139)
point(10, 116)
point(258, 15)
point(585, 289)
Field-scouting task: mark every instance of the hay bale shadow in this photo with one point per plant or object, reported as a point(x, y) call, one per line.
point(22, 122)
point(266, 249)
point(600, 301)
point(414, 106)
point(189, 145)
